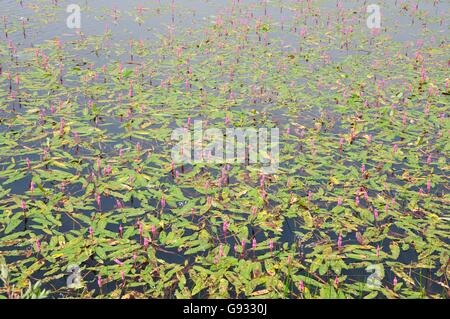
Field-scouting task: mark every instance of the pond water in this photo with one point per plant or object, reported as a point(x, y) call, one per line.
point(358, 206)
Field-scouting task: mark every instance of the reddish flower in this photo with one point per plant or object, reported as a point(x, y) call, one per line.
point(99, 281)
point(301, 286)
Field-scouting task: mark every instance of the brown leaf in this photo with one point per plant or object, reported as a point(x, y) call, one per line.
point(360, 238)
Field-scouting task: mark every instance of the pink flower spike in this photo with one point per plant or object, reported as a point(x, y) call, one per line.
point(99, 281)
point(261, 181)
point(301, 286)
point(423, 74)
point(130, 92)
point(117, 261)
point(153, 231)
point(38, 245)
point(225, 227)
point(395, 149)
point(254, 243)
point(395, 281)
